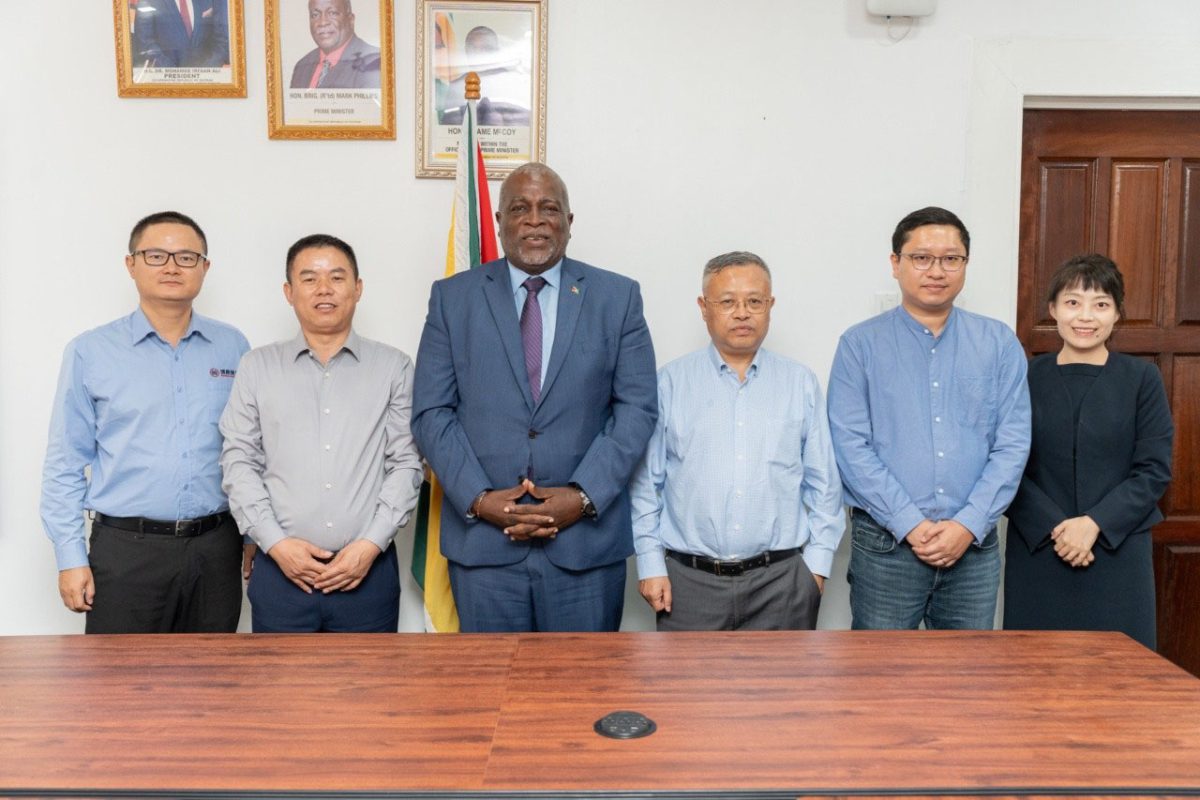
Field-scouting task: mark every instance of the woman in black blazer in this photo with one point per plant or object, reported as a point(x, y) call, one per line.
point(1079, 554)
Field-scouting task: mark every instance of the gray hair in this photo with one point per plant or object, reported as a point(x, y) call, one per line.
point(538, 170)
point(737, 258)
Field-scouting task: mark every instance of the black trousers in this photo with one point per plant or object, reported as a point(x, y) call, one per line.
point(147, 583)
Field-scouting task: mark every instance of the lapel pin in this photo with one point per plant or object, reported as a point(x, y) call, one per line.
point(574, 289)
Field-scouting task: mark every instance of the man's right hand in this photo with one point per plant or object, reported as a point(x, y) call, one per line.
point(77, 588)
point(500, 508)
point(657, 592)
point(297, 559)
point(918, 539)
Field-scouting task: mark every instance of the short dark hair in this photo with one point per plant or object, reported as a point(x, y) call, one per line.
point(1092, 271)
point(165, 218)
point(315, 240)
point(737, 258)
point(930, 215)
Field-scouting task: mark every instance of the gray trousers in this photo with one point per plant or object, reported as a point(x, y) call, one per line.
point(779, 596)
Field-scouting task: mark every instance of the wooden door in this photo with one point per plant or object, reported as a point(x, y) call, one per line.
point(1127, 184)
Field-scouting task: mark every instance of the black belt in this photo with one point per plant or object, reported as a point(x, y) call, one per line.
point(716, 567)
point(183, 527)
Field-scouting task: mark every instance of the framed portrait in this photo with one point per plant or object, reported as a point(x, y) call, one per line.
point(330, 69)
point(504, 43)
point(180, 48)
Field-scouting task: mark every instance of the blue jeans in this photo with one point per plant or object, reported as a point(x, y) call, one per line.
point(892, 589)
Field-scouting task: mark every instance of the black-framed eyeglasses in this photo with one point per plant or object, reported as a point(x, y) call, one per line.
point(187, 259)
point(727, 305)
point(924, 261)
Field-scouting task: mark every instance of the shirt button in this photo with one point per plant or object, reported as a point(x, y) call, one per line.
point(737, 527)
point(326, 374)
point(328, 524)
point(935, 384)
point(941, 454)
point(941, 491)
point(937, 419)
point(179, 389)
point(327, 411)
point(327, 447)
point(738, 492)
point(933, 349)
point(329, 486)
point(741, 424)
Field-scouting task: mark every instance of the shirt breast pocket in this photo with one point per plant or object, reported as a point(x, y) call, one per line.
point(785, 443)
point(215, 400)
point(976, 401)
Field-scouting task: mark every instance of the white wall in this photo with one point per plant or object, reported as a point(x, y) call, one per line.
point(684, 128)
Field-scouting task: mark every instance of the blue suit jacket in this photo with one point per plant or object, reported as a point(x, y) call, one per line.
point(160, 38)
point(475, 421)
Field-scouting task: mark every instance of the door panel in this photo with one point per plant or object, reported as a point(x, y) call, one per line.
point(1127, 184)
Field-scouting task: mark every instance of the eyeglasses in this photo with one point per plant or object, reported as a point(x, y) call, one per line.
point(924, 261)
point(159, 258)
point(727, 305)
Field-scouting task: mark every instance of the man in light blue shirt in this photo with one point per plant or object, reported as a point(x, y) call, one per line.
point(929, 412)
point(138, 402)
point(737, 504)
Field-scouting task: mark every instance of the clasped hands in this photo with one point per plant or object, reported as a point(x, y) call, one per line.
point(306, 565)
point(558, 507)
point(1073, 540)
point(940, 544)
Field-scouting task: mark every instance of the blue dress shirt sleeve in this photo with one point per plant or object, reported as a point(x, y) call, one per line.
point(862, 470)
point(71, 448)
point(821, 488)
point(645, 493)
point(1009, 451)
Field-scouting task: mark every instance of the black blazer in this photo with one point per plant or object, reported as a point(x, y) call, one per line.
point(1113, 469)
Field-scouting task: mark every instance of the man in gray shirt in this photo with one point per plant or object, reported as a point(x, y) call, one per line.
point(319, 463)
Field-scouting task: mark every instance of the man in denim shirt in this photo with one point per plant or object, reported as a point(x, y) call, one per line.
point(929, 413)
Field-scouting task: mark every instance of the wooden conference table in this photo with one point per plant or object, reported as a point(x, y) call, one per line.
point(761, 714)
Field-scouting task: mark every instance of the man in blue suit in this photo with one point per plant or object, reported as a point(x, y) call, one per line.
point(534, 398)
point(163, 38)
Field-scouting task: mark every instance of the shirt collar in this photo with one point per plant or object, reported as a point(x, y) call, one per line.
point(918, 328)
point(298, 345)
point(336, 56)
point(518, 277)
point(140, 327)
point(721, 367)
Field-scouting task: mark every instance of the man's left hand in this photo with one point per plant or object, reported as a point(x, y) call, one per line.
point(348, 568)
point(562, 504)
point(248, 551)
point(946, 543)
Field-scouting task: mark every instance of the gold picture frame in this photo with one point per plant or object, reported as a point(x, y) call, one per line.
point(504, 42)
point(161, 55)
point(355, 98)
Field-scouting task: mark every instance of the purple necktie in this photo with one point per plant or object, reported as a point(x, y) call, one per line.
point(531, 335)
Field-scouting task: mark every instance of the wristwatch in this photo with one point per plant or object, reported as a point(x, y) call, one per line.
point(587, 506)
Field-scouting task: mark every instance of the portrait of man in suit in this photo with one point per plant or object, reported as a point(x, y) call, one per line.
point(340, 60)
point(180, 33)
point(533, 399)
